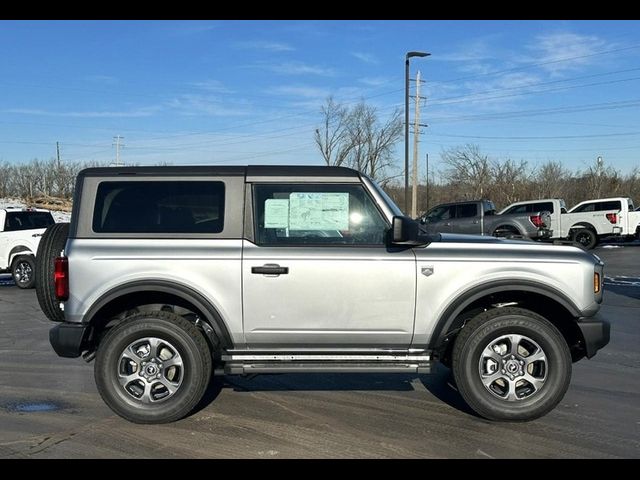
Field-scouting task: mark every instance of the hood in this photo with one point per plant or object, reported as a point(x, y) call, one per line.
point(462, 238)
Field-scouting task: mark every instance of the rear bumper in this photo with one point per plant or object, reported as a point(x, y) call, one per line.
point(544, 233)
point(595, 333)
point(67, 339)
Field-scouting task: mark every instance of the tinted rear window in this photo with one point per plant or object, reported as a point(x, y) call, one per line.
point(159, 207)
point(542, 206)
point(600, 206)
point(27, 221)
point(467, 210)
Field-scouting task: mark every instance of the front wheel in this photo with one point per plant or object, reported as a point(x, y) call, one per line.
point(511, 364)
point(23, 270)
point(154, 367)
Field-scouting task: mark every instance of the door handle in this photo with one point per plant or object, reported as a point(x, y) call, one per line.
point(447, 224)
point(476, 222)
point(270, 269)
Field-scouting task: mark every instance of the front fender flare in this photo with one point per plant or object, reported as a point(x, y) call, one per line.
point(469, 296)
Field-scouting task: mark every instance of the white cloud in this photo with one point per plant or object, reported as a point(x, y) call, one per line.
point(212, 86)
point(298, 68)
point(104, 79)
point(265, 45)
point(366, 57)
point(566, 51)
point(209, 105)
point(375, 81)
point(300, 91)
point(138, 112)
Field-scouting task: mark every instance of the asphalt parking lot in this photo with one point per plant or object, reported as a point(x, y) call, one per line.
point(50, 408)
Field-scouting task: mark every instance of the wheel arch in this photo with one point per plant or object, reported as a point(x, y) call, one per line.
point(18, 250)
point(543, 299)
point(508, 226)
point(586, 225)
point(129, 295)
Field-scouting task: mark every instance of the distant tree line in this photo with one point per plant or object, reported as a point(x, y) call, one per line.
point(468, 174)
point(39, 178)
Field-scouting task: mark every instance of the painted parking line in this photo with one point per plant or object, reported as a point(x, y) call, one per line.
point(622, 281)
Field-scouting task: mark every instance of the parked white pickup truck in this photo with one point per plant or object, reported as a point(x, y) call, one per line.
point(588, 222)
point(20, 233)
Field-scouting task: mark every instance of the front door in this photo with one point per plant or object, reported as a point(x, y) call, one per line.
point(319, 274)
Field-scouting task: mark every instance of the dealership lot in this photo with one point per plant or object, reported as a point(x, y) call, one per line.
point(49, 406)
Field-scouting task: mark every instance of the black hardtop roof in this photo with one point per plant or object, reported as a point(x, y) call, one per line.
point(250, 170)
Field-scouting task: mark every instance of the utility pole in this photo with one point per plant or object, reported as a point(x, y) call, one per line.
point(416, 133)
point(58, 152)
point(118, 145)
point(427, 157)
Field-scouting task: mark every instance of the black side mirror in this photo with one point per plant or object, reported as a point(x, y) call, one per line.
point(406, 231)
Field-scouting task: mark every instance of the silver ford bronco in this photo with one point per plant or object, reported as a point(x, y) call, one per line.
point(169, 275)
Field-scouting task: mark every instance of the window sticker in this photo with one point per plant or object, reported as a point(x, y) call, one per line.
point(319, 211)
point(276, 213)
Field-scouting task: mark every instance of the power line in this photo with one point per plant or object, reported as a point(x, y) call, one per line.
point(547, 111)
point(538, 64)
point(444, 100)
point(556, 137)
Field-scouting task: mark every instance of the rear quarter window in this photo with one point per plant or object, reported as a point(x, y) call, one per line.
point(159, 207)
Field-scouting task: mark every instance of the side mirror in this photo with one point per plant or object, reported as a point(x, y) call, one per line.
point(406, 231)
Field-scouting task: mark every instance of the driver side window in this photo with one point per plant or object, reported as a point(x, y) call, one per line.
point(316, 214)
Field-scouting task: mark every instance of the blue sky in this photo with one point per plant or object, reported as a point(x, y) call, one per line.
point(249, 92)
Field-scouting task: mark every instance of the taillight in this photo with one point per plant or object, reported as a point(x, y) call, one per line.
point(612, 217)
point(61, 278)
point(537, 220)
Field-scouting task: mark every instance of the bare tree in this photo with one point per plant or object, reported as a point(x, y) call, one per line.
point(356, 137)
point(331, 136)
point(468, 171)
point(551, 180)
point(511, 181)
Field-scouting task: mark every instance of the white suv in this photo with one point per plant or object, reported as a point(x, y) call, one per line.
point(20, 233)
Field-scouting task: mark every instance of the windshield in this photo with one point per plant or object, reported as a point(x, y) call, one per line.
point(394, 208)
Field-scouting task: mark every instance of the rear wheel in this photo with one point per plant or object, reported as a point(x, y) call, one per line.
point(511, 364)
point(23, 271)
point(51, 244)
point(585, 237)
point(153, 367)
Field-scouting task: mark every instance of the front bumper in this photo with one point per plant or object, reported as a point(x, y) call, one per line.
point(595, 333)
point(67, 339)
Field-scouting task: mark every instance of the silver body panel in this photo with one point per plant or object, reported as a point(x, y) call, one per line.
point(210, 267)
point(459, 266)
point(345, 298)
point(331, 296)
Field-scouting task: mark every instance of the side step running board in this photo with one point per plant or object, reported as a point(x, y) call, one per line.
point(251, 362)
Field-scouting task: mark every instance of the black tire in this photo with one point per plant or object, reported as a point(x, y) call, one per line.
point(585, 237)
point(23, 270)
point(184, 336)
point(492, 325)
point(51, 244)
